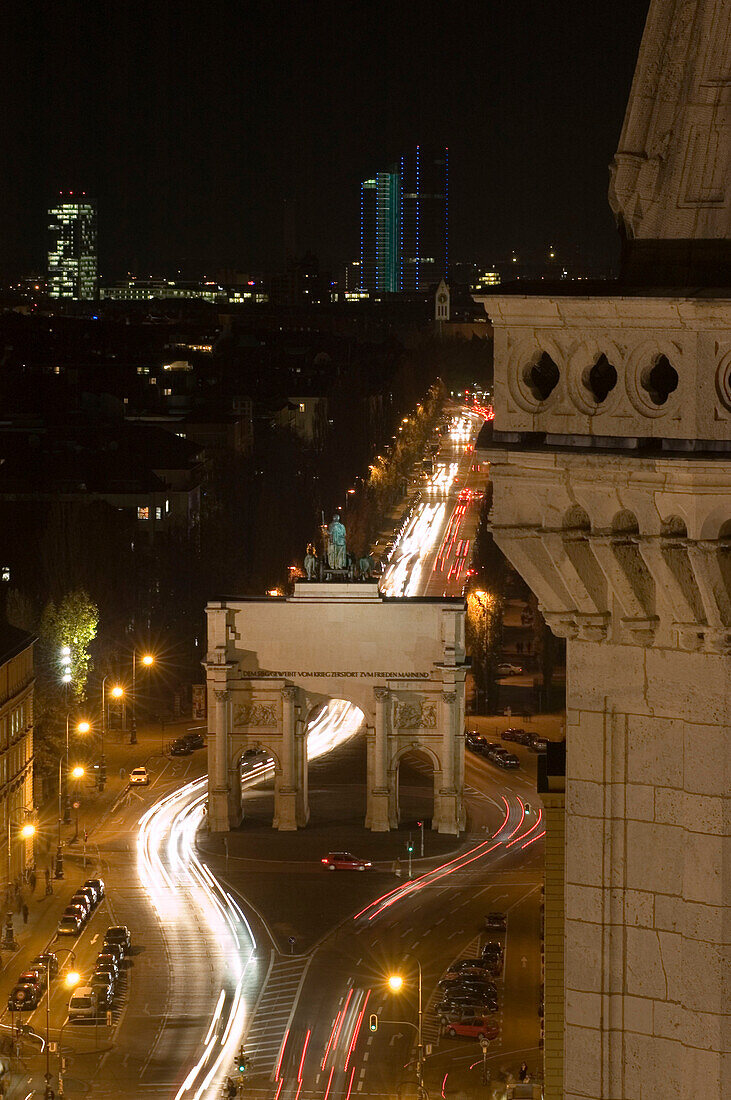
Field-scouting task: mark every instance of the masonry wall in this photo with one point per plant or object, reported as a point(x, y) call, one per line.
point(647, 872)
point(553, 942)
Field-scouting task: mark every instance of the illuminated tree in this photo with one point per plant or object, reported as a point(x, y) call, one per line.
point(70, 624)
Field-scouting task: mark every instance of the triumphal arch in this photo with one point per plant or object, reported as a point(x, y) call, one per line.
point(272, 661)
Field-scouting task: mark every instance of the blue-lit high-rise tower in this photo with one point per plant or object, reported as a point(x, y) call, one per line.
point(379, 232)
point(424, 218)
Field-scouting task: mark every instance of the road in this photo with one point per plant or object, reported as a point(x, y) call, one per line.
point(288, 960)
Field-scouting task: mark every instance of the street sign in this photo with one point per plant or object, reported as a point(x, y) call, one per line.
point(53, 1047)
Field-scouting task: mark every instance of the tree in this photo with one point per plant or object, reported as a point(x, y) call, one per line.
point(70, 625)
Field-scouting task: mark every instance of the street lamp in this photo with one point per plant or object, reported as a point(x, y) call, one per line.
point(81, 727)
point(25, 832)
point(71, 980)
point(146, 660)
point(396, 984)
point(116, 693)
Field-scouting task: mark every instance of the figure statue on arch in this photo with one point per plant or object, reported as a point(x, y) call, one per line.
point(311, 563)
point(337, 556)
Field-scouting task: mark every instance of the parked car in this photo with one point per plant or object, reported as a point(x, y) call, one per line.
point(492, 952)
point(496, 922)
point(79, 908)
point(24, 997)
point(479, 971)
point(83, 1004)
point(83, 903)
point(115, 950)
point(96, 884)
point(507, 669)
point(465, 964)
point(474, 743)
point(107, 976)
point(69, 925)
point(119, 933)
point(180, 747)
point(48, 961)
point(138, 777)
point(513, 733)
point(90, 894)
point(195, 740)
point(106, 961)
point(481, 986)
point(489, 746)
point(344, 861)
point(33, 976)
point(104, 990)
point(538, 743)
point(472, 1027)
point(467, 1005)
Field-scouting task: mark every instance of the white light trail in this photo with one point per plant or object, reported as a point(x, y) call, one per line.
point(178, 883)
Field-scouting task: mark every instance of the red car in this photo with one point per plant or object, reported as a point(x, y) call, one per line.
point(344, 861)
point(473, 1027)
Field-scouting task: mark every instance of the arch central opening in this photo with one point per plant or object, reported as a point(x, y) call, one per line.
point(414, 789)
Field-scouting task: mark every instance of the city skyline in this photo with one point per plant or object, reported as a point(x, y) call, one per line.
point(192, 148)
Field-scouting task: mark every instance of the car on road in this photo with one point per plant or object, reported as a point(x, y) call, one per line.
point(115, 950)
point(515, 733)
point(344, 861)
point(83, 903)
point(195, 740)
point(481, 986)
point(24, 997)
point(538, 743)
point(492, 954)
point(105, 960)
point(90, 894)
point(49, 961)
point(473, 742)
point(33, 976)
point(503, 759)
point(111, 977)
point(509, 670)
point(180, 747)
point(496, 922)
point(69, 925)
point(119, 933)
point(78, 911)
point(96, 884)
point(139, 777)
point(104, 989)
point(468, 1005)
point(478, 971)
point(489, 746)
point(83, 1004)
point(472, 1027)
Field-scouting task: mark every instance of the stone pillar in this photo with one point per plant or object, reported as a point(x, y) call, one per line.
point(446, 809)
point(301, 774)
point(714, 594)
point(285, 787)
point(636, 617)
point(218, 808)
point(551, 790)
point(379, 780)
point(235, 805)
point(667, 586)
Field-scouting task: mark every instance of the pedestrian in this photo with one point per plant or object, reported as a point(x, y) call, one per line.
point(523, 1071)
point(25, 913)
point(33, 881)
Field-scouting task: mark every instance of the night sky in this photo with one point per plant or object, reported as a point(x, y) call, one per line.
point(192, 123)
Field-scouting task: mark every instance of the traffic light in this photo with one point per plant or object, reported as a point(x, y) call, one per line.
point(242, 1061)
point(373, 1022)
point(409, 847)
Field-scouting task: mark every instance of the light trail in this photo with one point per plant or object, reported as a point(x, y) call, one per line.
point(185, 892)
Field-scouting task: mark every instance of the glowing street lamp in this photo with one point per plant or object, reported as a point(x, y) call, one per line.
point(147, 661)
point(396, 985)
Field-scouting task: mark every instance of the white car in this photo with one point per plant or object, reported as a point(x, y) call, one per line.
point(509, 670)
point(138, 777)
point(83, 1004)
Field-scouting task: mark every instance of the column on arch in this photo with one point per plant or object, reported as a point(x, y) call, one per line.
point(379, 778)
point(446, 799)
point(218, 791)
point(300, 772)
point(285, 786)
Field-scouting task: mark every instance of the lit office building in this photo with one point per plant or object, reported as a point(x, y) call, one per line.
point(72, 265)
point(379, 232)
point(424, 202)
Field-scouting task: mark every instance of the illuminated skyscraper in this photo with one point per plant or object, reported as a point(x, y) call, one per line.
point(72, 265)
point(424, 228)
point(379, 232)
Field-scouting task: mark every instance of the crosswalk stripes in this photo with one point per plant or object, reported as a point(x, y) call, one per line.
point(274, 1010)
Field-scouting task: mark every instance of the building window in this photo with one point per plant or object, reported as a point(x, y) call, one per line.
point(143, 513)
point(5, 573)
point(167, 507)
point(158, 512)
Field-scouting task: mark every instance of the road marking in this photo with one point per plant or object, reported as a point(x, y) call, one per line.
point(95, 938)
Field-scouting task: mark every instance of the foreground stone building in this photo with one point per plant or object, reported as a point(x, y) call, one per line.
point(612, 497)
point(17, 678)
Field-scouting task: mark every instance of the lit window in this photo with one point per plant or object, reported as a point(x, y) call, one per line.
point(158, 512)
point(167, 506)
point(143, 513)
point(167, 393)
point(302, 406)
point(5, 573)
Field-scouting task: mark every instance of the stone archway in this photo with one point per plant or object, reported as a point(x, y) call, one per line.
point(412, 755)
point(400, 661)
